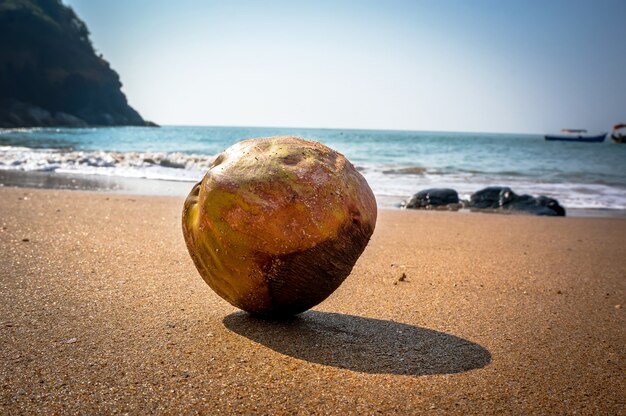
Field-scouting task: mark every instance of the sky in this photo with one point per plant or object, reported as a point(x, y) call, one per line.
point(524, 66)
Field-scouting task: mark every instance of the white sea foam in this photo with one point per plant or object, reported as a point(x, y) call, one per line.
point(151, 165)
point(19, 130)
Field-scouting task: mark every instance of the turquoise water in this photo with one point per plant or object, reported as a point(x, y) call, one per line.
point(579, 175)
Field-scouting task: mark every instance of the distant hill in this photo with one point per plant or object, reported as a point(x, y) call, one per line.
point(50, 74)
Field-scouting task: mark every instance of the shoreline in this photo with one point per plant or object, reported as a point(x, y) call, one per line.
point(103, 311)
point(160, 187)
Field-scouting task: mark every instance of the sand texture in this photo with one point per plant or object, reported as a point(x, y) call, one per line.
point(103, 312)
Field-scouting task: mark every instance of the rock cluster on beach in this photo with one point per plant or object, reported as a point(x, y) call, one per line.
point(491, 199)
point(50, 74)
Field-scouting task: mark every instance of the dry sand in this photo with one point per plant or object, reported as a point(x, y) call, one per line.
point(102, 311)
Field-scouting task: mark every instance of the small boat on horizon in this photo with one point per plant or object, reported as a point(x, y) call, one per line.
point(576, 135)
point(618, 135)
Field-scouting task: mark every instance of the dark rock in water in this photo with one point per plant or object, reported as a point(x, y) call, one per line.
point(552, 204)
point(171, 164)
point(445, 198)
point(492, 197)
point(504, 199)
point(50, 74)
point(412, 170)
point(541, 205)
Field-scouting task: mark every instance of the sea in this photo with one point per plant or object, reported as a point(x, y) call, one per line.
point(168, 160)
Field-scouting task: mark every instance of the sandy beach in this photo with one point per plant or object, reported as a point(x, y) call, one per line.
point(103, 312)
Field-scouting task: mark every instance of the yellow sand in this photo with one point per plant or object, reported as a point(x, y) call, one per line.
point(102, 311)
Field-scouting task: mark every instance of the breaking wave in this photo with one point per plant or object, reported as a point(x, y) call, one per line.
point(151, 165)
point(391, 182)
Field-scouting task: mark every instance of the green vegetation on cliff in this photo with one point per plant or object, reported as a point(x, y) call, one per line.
point(50, 74)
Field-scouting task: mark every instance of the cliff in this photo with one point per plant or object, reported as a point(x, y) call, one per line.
point(50, 74)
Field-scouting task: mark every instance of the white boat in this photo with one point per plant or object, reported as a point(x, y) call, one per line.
point(618, 135)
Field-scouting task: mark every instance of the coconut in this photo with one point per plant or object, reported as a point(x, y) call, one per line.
point(276, 224)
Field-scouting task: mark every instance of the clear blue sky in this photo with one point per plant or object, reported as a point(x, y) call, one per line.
point(490, 66)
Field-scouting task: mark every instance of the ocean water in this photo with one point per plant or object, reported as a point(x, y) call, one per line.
point(396, 164)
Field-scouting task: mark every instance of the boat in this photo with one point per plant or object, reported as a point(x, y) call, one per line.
point(618, 135)
point(576, 135)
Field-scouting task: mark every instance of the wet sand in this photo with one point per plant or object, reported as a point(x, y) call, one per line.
point(102, 311)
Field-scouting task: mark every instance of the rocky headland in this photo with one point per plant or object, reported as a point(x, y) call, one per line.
point(50, 74)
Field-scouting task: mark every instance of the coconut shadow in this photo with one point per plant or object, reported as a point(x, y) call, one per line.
point(362, 344)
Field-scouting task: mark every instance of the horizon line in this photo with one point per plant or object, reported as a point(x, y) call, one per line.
point(350, 129)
